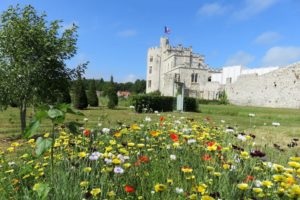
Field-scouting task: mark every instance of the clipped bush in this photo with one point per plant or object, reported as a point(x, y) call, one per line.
point(80, 98)
point(190, 104)
point(92, 94)
point(112, 97)
point(152, 103)
point(207, 101)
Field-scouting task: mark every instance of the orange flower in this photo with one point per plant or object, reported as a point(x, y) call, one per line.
point(144, 159)
point(206, 157)
point(129, 189)
point(86, 133)
point(249, 178)
point(174, 137)
point(154, 133)
point(162, 118)
point(211, 144)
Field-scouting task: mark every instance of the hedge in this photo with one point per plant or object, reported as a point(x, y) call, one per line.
point(150, 103)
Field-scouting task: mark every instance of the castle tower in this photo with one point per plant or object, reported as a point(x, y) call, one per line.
point(153, 69)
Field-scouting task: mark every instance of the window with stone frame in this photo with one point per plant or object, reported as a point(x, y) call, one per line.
point(194, 78)
point(149, 83)
point(151, 59)
point(150, 69)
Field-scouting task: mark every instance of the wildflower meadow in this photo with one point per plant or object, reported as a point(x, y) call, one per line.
point(159, 157)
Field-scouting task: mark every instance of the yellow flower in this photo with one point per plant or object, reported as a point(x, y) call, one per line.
point(36, 187)
point(31, 141)
point(130, 144)
point(294, 191)
point(9, 171)
point(140, 145)
point(170, 181)
point(112, 142)
point(243, 186)
point(118, 134)
point(278, 168)
point(294, 164)
point(95, 191)
point(111, 194)
point(193, 197)
point(295, 159)
point(206, 197)
point(26, 176)
point(212, 148)
point(257, 190)
point(217, 174)
point(87, 169)
point(201, 188)
point(116, 161)
point(278, 178)
point(244, 155)
point(186, 169)
point(15, 144)
point(82, 154)
point(160, 187)
point(267, 183)
point(127, 165)
point(154, 133)
point(135, 127)
point(226, 166)
point(108, 149)
point(84, 183)
point(10, 149)
point(210, 169)
point(46, 135)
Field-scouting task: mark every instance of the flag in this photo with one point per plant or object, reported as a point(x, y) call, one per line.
point(167, 30)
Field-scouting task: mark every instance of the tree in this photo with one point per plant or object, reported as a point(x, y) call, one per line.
point(112, 96)
point(80, 98)
point(32, 55)
point(139, 86)
point(92, 94)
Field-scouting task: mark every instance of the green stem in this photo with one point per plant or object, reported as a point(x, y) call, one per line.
point(52, 152)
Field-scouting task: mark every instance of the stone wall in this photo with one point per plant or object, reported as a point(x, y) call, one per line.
point(279, 88)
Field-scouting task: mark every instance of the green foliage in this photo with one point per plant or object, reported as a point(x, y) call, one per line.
point(150, 103)
point(80, 97)
point(32, 55)
point(42, 145)
point(112, 96)
point(155, 93)
point(190, 104)
point(210, 102)
point(92, 94)
point(223, 97)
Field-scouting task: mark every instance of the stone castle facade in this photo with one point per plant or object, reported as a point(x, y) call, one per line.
point(169, 68)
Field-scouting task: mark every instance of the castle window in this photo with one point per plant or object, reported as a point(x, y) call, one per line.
point(151, 59)
point(194, 78)
point(177, 77)
point(149, 84)
point(150, 69)
point(209, 79)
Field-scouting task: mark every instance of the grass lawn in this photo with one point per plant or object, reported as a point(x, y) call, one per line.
point(220, 115)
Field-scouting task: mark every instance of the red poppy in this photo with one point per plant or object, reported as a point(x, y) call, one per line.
point(210, 144)
point(206, 157)
point(219, 148)
point(86, 133)
point(144, 159)
point(174, 137)
point(129, 189)
point(249, 178)
point(162, 118)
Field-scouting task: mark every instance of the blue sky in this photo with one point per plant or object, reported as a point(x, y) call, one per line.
point(114, 35)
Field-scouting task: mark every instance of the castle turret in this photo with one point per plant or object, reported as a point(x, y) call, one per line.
point(164, 42)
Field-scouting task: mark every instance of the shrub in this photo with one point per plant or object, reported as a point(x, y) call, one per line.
point(223, 97)
point(190, 104)
point(207, 101)
point(152, 103)
point(92, 94)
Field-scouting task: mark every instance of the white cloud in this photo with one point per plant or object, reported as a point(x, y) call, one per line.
point(127, 33)
point(240, 58)
point(281, 56)
point(130, 78)
point(253, 7)
point(212, 9)
point(268, 38)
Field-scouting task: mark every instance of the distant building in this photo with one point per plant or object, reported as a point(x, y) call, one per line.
point(171, 67)
point(124, 94)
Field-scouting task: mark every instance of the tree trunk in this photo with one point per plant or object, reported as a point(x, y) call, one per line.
point(23, 116)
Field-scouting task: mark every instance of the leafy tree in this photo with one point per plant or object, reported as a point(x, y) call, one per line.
point(92, 94)
point(32, 55)
point(139, 86)
point(80, 97)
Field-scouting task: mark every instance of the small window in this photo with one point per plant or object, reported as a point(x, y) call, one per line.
point(151, 59)
point(150, 69)
point(194, 78)
point(209, 79)
point(149, 84)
